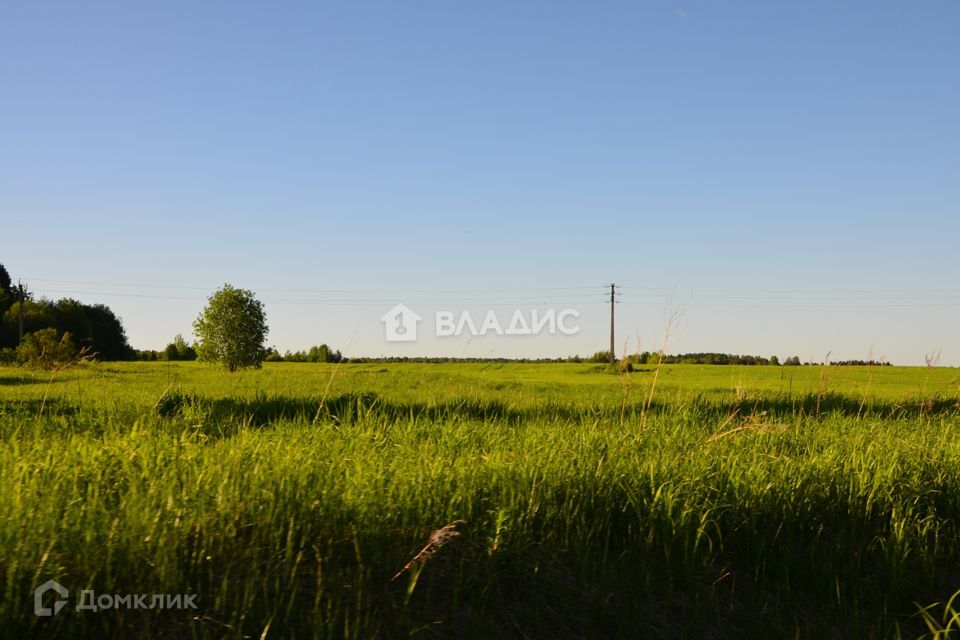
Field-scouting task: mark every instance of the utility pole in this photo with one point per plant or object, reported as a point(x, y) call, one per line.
point(613, 294)
point(20, 310)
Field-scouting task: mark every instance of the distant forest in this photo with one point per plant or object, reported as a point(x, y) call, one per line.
point(726, 358)
point(92, 327)
point(180, 350)
point(644, 358)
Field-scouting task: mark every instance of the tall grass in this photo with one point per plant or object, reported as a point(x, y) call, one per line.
point(501, 502)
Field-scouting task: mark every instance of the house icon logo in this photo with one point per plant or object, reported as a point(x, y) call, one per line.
point(39, 592)
point(400, 324)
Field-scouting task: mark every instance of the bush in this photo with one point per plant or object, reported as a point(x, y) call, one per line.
point(179, 350)
point(46, 349)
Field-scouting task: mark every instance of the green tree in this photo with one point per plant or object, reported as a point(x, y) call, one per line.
point(179, 350)
point(39, 314)
point(109, 340)
point(232, 329)
point(71, 318)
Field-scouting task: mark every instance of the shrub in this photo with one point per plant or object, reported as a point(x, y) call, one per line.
point(46, 349)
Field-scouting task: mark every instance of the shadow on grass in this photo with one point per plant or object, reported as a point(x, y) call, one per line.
point(31, 407)
point(345, 408)
point(818, 405)
point(353, 407)
point(11, 381)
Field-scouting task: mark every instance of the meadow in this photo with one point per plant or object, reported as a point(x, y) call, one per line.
point(483, 500)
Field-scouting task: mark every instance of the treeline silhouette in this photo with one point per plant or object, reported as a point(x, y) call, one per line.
point(180, 350)
point(603, 357)
point(648, 357)
point(445, 360)
point(655, 357)
point(176, 350)
point(94, 327)
point(321, 353)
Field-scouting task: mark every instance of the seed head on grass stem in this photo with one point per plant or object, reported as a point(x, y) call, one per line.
point(437, 539)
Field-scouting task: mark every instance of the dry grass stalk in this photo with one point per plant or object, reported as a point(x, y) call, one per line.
point(84, 355)
point(671, 319)
point(438, 538)
point(754, 422)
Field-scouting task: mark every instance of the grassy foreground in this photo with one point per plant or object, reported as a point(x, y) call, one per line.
point(467, 500)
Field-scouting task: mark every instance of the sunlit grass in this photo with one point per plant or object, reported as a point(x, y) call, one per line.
point(741, 504)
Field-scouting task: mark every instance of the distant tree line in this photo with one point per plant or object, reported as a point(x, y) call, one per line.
point(600, 357)
point(321, 353)
point(179, 350)
point(655, 357)
point(68, 323)
point(445, 360)
point(176, 350)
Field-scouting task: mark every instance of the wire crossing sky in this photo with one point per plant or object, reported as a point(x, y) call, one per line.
point(763, 178)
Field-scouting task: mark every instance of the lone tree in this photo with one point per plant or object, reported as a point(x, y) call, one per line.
point(232, 329)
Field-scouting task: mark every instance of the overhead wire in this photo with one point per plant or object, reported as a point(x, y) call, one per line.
point(699, 297)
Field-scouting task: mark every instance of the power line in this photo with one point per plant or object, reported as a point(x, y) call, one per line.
point(579, 298)
point(352, 290)
point(725, 292)
point(560, 295)
point(825, 296)
point(797, 291)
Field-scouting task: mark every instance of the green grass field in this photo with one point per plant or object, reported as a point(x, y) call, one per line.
point(482, 500)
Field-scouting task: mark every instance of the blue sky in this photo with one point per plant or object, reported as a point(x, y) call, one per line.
point(783, 176)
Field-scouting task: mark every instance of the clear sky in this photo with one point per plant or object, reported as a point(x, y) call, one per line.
point(783, 176)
